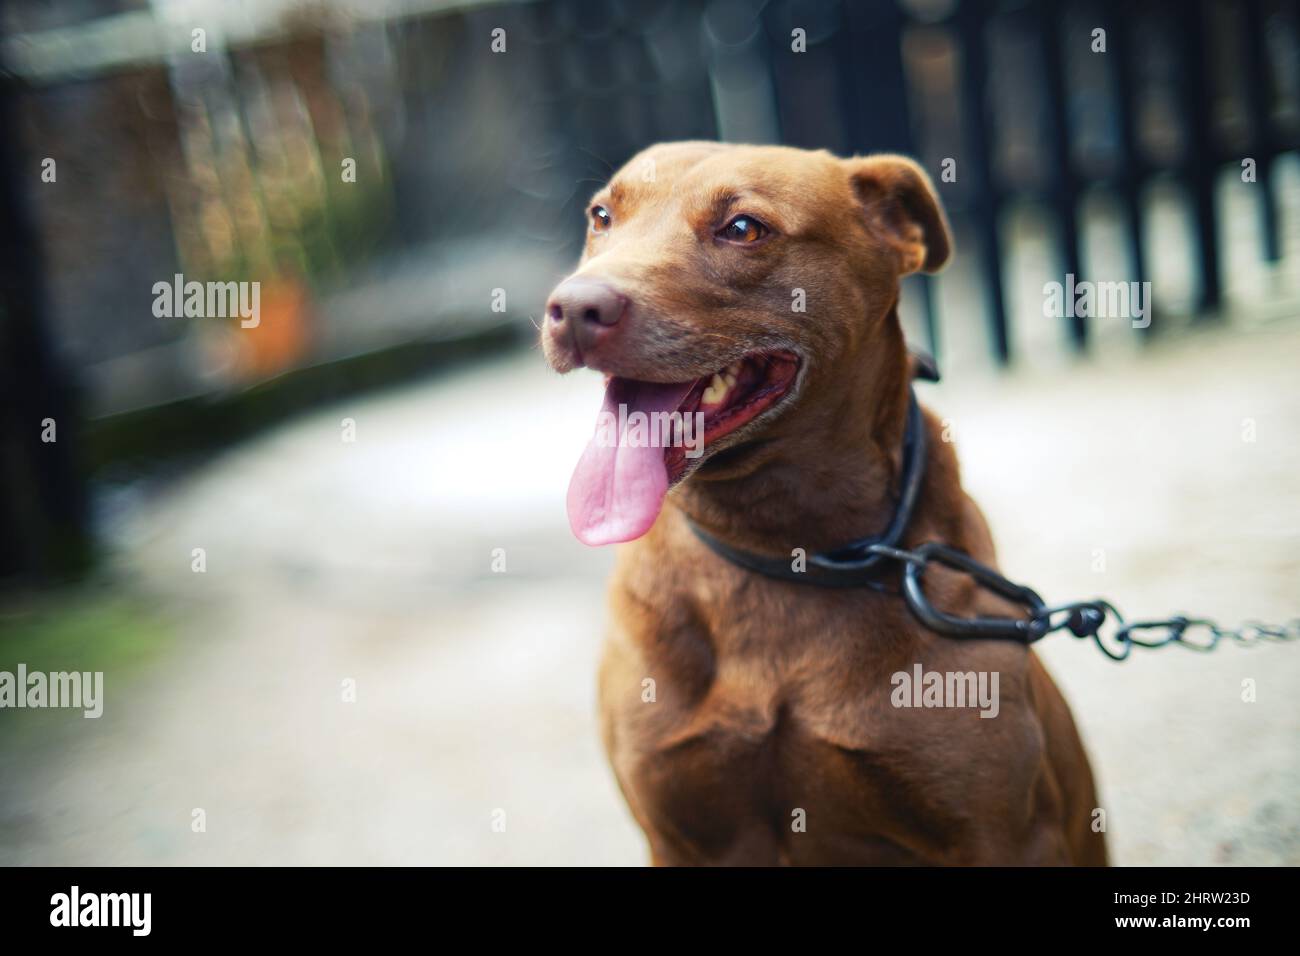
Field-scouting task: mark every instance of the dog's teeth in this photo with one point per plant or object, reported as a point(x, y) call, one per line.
point(733, 371)
point(717, 390)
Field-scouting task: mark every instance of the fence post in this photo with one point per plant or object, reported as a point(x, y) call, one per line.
point(1201, 160)
point(986, 200)
point(1132, 175)
point(1262, 139)
point(1064, 188)
point(43, 513)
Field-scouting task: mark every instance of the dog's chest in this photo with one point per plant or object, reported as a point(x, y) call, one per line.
point(789, 739)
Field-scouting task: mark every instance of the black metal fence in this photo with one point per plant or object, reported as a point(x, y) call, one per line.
point(478, 130)
point(1039, 100)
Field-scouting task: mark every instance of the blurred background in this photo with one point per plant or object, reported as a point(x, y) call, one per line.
point(324, 564)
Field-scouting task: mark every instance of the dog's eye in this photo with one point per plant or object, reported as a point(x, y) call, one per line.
point(600, 219)
point(743, 229)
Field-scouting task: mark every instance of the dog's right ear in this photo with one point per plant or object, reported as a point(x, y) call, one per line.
point(900, 204)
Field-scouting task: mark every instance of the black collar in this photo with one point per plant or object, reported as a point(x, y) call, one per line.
point(853, 565)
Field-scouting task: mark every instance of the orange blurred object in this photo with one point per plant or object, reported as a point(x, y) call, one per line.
point(281, 338)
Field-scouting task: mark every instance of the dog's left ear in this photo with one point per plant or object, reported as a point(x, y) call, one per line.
point(900, 205)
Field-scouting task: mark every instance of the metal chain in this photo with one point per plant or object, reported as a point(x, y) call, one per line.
point(1083, 619)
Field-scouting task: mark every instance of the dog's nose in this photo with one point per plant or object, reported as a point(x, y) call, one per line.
point(586, 302)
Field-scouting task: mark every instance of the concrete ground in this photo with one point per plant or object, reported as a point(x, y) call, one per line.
point(371, 562)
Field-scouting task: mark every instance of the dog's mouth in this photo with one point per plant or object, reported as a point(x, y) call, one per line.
point(649, 434)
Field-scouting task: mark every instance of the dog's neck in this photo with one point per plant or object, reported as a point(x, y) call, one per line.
point(827, 475)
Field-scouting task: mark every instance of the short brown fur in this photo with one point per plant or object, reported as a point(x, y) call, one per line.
point(771, 697)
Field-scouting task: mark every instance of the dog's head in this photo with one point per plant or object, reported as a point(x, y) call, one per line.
point(727, 286)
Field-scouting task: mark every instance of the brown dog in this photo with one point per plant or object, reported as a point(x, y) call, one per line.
point(751, 720)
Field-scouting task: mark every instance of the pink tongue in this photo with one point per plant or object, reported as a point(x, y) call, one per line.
point(619, 485)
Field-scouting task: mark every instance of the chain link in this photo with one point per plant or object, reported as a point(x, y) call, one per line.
point(1083, 619)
